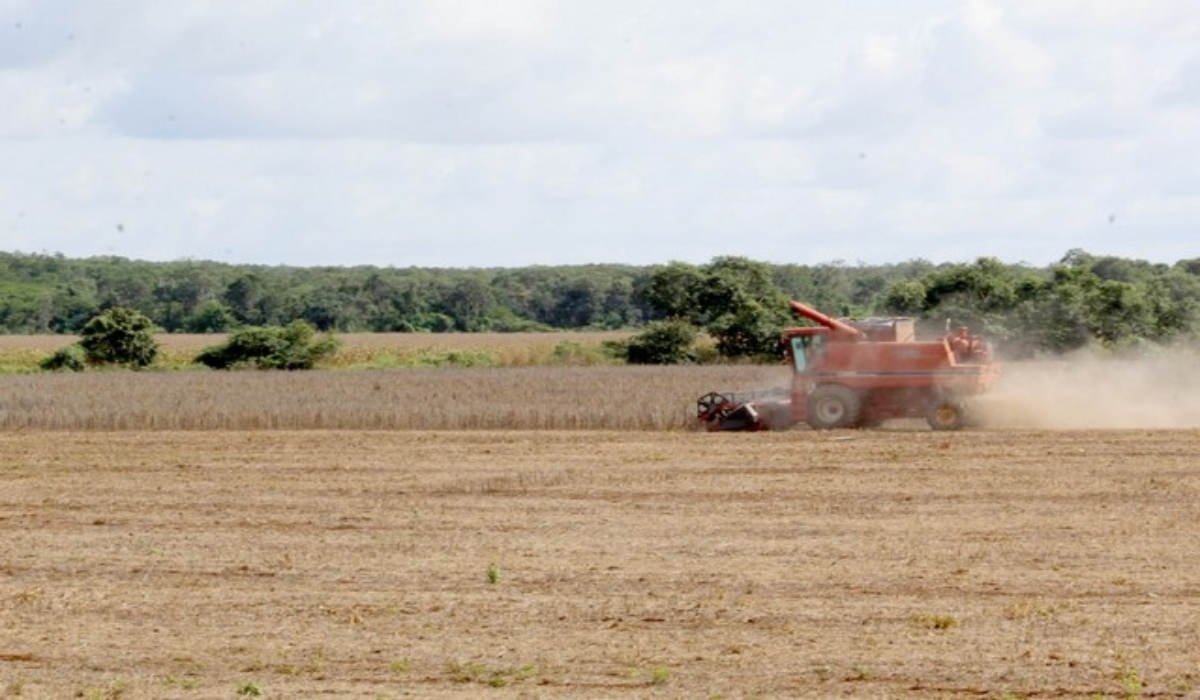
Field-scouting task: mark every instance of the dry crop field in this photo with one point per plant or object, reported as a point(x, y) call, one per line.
point(539, 398)
point(185, 342)
point(362, 349)
point(388, 564)
point(559, 532)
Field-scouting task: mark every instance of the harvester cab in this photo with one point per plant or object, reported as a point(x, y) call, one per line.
point(859, 373)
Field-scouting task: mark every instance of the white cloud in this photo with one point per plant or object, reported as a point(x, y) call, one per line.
point(471, 132)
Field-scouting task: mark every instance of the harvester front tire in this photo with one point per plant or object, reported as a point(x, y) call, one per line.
point(947, 414)
point(834, 406)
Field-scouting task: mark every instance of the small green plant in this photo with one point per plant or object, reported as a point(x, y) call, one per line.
point(15, 687)
point(28, 595)
point(476, 672)
point(470, 672)
point(70, 358)
point(112, 690)
point(400, 666)
point(455, 358)
point(493, 572)
point(937, 622)
point(183, 682)
point(249, 689)
point(1131, 681)
point(659, 675)
point(576, 354)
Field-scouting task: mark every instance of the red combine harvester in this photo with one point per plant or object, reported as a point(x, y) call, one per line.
point(850, 374)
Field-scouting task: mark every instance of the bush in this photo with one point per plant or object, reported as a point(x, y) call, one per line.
point(119, 336)
point(662, 343)
point(289, 347)
point(70, 357)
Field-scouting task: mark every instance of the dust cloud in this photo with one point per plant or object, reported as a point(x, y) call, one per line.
point(1086, 391)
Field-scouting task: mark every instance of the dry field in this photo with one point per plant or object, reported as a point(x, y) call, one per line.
point(23, 352)
point(1078, 394)
point(375, 564)
point(558, 532)
point(537, 398)
point(185, 342)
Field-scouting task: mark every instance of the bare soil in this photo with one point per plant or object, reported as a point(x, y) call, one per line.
point(892, 563)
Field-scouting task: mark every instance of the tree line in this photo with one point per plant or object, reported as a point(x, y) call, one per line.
point(1082, 299)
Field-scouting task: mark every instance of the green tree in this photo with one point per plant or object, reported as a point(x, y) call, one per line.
point(73, 304)
point(671, 292)
point(579, 303)
point(734, 299)
point(971, 293)
point(469, 301)
point(833, 288)
point(751, 331)
point(618, 309)
point(182, 291)
point(252, 299)
point(730, 282)
point(1175, 296)
point(119, 336)
point(211, 317)
point(905, 298)
point(1118, 313)
point(124, 283)
point(326, 309)
point(1190, 266)
point(742, 308)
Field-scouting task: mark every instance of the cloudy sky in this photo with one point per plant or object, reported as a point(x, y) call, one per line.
point(478, 133)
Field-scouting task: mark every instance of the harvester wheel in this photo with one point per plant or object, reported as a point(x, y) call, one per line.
point(947, 414)
point(833, 406)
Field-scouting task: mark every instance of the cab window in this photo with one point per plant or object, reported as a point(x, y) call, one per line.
point(800, 352)
point(804, 349)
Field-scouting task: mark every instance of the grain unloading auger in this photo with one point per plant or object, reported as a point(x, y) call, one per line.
point(856, 373)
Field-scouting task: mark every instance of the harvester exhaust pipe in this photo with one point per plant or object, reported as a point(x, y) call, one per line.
point(828, 321)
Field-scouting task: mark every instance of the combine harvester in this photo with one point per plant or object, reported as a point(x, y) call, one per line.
point(851, 374)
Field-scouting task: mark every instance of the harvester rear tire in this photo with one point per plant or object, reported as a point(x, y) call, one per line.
point(833, 406)
point(947, 414)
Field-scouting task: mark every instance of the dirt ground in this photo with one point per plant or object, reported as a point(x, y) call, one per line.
point(893, 563)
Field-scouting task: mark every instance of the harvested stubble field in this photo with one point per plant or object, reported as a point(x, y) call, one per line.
point(554, 532)
point(375, 564)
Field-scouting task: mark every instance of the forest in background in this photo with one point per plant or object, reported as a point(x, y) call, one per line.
point(1083, 299)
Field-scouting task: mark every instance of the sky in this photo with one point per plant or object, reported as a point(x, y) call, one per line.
point(487, 133)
